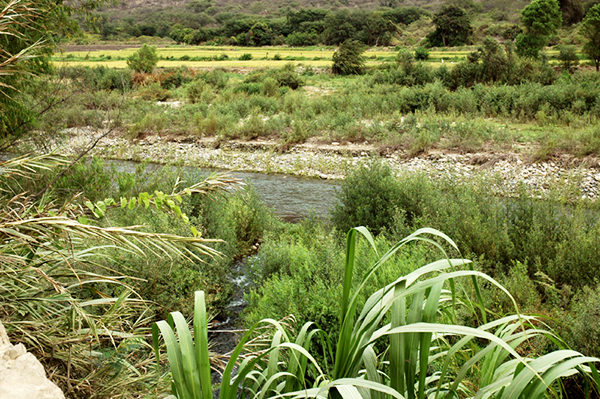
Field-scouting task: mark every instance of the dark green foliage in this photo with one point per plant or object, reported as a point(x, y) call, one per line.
point(590, 28)
point(421, 53)
point(245, 57)
point(368, 197)
point(452, 27)
point(568, 58)
point(143, 60)
point(299, 39)
point(541, 19)
point(285, 77)
point(572, 11)
point(549, 237)
point(349, 58)
point(582, 324)
point(259, 35)
point(405, 15)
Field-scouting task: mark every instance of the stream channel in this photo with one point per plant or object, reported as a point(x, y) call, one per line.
point(292, 198)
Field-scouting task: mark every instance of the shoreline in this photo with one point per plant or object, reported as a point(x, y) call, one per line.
point(579, 179)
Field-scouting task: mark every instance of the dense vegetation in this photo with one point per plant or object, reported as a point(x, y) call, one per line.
point(82, 293)
point(447, 24)
point(401, 105)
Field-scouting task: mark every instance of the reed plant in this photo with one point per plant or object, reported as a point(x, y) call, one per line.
point(59, 293)
point(405, 343)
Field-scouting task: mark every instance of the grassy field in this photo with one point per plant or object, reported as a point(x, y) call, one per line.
point(203, 56)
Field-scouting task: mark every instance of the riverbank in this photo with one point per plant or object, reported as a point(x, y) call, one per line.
point(575, 177)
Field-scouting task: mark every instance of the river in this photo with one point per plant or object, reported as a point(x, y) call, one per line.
point(291, 197)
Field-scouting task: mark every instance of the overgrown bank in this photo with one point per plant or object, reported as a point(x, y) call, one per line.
point(543, 251)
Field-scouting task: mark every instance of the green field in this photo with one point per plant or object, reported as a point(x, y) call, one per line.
point(203, 56)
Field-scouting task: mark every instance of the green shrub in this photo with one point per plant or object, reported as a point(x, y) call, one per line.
point(245, 57)
point(368, 197)
point(150, 123)
point(349, 59)
point(568, 57)
point(581, 327)
point(269, 87)
point(153, 92)
point(195, 91)
point(143, 60)
point(421, 53)
point(549, 237)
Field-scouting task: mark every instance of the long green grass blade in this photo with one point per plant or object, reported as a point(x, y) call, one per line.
point(201, 349)
point(188, 357)
point(175, 360)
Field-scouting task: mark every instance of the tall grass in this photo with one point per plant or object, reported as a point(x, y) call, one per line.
point(294, 107)
point(61, 295)
point(417, 313)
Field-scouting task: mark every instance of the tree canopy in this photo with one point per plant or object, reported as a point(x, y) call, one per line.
point(452, 27)
point(590, 28)
point(541, 18)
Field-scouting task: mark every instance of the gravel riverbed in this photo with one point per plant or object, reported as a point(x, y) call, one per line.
point(504, 171)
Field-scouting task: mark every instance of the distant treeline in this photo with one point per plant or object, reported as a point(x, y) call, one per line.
point(299, 28)
point(200, 21)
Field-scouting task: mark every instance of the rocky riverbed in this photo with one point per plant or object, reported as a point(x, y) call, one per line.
point(505, 171)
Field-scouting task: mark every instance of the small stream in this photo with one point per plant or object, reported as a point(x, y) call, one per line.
point(291, 197)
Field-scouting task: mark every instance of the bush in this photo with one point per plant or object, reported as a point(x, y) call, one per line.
point(154, 92)
point(349, 59)
point(195, 90)
point(421, 53)
point(245, 57)
point(568, 58)
point(368, 197)
point(143, 60)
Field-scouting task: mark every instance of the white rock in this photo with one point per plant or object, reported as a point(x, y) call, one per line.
point(21, 375)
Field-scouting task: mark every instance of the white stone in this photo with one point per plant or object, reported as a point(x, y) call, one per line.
point(22, 376)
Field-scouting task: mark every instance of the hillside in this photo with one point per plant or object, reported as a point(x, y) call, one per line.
point(262, 7)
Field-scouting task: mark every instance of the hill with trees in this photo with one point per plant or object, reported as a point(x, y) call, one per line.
point(305, 23)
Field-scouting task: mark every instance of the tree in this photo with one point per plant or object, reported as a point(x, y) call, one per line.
point(590, 28)
point(421, 53)
point(259, 35)
point(568, 58)
point(541, 18)
point(452, 27)
point(143, 60)
point(349, 59)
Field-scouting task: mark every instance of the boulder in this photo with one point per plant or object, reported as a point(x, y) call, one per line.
point(22, 376)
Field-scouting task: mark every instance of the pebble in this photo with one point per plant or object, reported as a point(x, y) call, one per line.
point(332, 162)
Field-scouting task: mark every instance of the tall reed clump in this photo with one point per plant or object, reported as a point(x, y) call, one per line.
point(60, 294)
point(428, 354)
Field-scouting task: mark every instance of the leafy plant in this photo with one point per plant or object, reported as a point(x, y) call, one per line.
point(590, 27)
point(416, 312)
point(349, 58)
point(541, 18)
point(568, 58)
point(58, 292)
point(143, 60)
point(421, 53)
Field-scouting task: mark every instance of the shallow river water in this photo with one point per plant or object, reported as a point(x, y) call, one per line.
point(291, 197)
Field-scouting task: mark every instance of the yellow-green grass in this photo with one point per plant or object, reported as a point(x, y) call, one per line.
point(257, 52)
point(201, 64)
point(261, 56)
point(206, 64)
